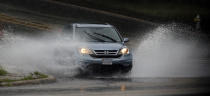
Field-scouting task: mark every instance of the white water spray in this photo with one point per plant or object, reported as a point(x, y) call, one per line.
point(169, 51)
point(23, 55)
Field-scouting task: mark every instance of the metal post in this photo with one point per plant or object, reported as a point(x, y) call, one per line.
point(1, 30)
point(197, 22)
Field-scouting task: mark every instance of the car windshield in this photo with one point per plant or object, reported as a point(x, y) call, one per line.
point(97, 34)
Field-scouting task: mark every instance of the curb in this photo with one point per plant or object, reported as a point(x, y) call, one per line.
point(49, 79)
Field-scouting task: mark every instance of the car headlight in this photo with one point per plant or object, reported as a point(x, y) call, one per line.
point(124, 51)
point(85, 51)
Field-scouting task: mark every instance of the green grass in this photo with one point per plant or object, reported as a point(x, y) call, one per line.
point(35, 75)
point(2, 71)
point(31, 76)
point(7, 80)
point(41, 75)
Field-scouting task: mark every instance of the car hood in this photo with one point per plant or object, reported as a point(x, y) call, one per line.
point(104, 46)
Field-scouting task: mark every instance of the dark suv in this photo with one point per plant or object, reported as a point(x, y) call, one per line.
point(103, 46)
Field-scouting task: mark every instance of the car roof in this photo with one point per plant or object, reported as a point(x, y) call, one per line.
point(93, 25)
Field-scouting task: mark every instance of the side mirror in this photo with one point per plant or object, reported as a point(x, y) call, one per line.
point(125, 40)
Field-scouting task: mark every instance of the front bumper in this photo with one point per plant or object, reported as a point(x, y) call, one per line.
point(124, 60)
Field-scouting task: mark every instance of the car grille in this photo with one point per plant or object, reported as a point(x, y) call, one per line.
point(105, 54)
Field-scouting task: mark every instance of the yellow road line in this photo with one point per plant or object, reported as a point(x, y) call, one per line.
point(68, 19)
point(14, 20)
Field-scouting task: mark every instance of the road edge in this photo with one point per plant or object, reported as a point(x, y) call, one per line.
point(49, 79)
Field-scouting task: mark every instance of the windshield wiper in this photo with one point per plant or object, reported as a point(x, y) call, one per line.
point(106, 37)
point(93, 37)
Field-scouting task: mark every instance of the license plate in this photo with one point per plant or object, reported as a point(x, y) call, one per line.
point(107, 61)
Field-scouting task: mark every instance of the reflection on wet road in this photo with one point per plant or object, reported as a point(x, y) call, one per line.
point(104, 86)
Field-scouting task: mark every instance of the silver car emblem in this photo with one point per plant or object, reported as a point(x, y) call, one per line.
point(106, 52)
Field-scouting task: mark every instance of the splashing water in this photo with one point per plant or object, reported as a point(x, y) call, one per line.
point(51, 56)
point(170, 51)
point(167, 51)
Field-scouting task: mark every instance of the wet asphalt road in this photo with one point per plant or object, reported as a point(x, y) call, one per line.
point(99, 85)
point(113, 86)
